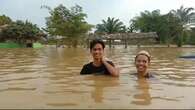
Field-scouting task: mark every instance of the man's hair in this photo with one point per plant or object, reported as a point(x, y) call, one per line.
point(143, 52)
point(96, 41)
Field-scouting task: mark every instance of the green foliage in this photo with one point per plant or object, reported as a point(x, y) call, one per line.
point(20, 31)
point(168, 27)
point(147, 21)
point(110, 26)
point(191, 37)
point(4, 20)
point(184, 14)
point(131, 27)
point(173, 29)
point(66, 22)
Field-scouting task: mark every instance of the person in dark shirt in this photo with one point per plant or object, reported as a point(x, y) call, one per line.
point(99, 65)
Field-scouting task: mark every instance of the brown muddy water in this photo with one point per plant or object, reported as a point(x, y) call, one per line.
point(49, 78)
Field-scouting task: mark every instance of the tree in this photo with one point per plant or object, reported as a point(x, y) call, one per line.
point(150, 22)
point(167, 27)
point(20, 32)
point(131, 27)
point(174, 29)
point(4, 20)
point(147, 21)
point(68, 23)
point(192, 37)
point(111, 25)
point(184, 14)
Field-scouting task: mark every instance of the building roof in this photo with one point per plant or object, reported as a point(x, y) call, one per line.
point(120, 36)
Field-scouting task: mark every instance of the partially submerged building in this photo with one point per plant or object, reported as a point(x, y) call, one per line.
point(126, 38)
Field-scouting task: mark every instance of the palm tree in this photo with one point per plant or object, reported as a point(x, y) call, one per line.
point(184, 14)
point(110, 26)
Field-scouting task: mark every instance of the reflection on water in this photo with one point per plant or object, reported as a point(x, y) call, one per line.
point(144, 97)
point(49, 78)
point(99, 84)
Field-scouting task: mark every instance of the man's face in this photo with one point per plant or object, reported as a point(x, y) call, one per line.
point(142, 63)
point(97, 51)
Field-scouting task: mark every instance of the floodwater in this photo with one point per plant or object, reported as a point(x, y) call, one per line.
point(49, 78)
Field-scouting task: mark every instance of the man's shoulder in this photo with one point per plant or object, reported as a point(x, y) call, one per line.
point(86, 68)
point(88, 64)
point(149, 74)
point(110, 62)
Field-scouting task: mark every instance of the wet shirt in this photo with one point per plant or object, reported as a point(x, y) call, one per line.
point(148, 76)
point(91, 69)
point(151, 78)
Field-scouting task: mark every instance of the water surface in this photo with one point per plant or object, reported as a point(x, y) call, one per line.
point(49, 78)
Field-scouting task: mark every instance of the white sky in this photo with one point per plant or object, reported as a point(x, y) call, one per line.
point(95, 9)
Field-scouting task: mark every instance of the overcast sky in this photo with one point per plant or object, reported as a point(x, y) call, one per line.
point(96, 10)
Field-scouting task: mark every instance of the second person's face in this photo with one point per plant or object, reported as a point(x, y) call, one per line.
point(97, 51)
point(141, 63)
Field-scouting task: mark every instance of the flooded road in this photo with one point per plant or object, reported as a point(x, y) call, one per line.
point(49, 78)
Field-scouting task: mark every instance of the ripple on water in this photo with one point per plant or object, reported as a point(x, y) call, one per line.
point(53, 75)
point(17, 89)
point(18, 79)
point(62, 104)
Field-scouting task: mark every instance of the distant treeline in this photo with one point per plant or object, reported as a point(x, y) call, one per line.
point(71, 25)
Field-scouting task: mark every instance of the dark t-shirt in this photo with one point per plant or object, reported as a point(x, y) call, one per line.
point(91, 69)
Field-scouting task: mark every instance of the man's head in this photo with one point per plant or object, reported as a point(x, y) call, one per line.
point(142, 61)
point(97, 48)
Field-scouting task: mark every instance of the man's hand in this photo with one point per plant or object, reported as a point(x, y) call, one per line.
point(113, 70)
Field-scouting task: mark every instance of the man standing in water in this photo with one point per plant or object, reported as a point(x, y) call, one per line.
point(142, 62)
point(99, 65)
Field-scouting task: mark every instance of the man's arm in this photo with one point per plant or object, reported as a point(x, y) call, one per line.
point(111, 68)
